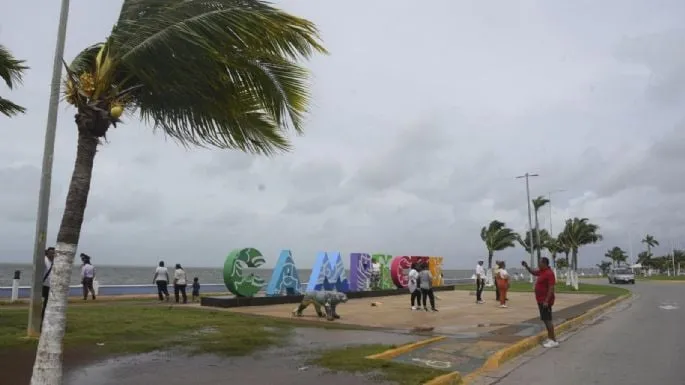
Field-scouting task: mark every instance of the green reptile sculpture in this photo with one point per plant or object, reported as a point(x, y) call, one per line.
point(328, 299)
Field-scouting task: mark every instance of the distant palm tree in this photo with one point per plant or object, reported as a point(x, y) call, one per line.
point(579, 232)
point(11, 71)
point(209, 73)
point(650, 242)
point(497, 236)
point(554, 246)
point(538, 203)
point(526, 241)
point(562, 263)
point(616, 255)
point(604, 267)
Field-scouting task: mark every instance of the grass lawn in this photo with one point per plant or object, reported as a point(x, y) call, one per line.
point(584, 288)
point(352, 359)
point(132, 327)
point(128, 327)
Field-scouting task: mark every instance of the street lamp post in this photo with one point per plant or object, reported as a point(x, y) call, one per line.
point(46, 177)
point(530, 217)
point(549, 196)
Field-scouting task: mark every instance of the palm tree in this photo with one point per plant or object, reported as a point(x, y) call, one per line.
point(497, 236)
point(650, 242)
point(577, 233)
point(210, 73)
point(616, 255)
point(538, 203)
point(554, 246)
point(526, 241)
point(562, 263)
point(566, 249)
point(11, 71)
point(604, 267)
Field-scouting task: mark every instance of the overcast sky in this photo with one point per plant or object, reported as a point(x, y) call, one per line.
point(422, 117)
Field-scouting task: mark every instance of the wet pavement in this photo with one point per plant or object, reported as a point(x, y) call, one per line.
point(287, 364)
point(467, 352)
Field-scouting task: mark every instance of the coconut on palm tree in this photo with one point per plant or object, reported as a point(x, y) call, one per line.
point(211, 73)
point(579, 232)
point(538, 203)
point(11, 71)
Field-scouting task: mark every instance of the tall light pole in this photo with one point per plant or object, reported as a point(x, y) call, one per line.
point(530, 218)
point(549, 196)
point(46, 178)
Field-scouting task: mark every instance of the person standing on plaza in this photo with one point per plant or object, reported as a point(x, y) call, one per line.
point(161, 279)
point(502, 280)
point(49, 259)
point(375, 275)
point(426, 285)
point(196, 289)
point(87, 277)
point(180, 283)
point(480, 282)
point(414, 287)
point(544, 296)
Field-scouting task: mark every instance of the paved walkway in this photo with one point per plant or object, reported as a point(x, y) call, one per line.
point(467, 352)
point(458, 312)
point(474, 332)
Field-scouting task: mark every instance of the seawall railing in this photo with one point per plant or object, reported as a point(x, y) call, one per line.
point(24, 292)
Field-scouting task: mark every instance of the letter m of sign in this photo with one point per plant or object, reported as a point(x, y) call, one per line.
point(328, 273)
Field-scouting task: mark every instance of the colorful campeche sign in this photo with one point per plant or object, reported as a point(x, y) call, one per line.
point(328, 272)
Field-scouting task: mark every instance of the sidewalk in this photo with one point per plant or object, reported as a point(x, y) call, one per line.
point(468, 352)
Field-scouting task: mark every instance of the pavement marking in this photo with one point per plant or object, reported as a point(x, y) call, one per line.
point(434, 364)
point(668, 307)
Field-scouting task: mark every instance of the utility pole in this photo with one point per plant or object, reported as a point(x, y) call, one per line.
point(34, 323)
point(530, 218)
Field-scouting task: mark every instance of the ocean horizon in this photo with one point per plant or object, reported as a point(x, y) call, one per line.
point(141, 275)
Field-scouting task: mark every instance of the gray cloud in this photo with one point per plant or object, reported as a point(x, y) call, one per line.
point(421, 120)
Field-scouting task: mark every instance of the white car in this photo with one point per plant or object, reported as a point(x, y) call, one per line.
point(621, 275)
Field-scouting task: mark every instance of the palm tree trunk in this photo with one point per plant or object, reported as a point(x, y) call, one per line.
point(489, 281)
point(47, 369)
point(574, 280)
point(536, 243)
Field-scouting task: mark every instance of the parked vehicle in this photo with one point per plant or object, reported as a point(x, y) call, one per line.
point(621, 275)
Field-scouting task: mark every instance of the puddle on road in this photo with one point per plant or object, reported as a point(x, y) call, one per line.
point(286, 364)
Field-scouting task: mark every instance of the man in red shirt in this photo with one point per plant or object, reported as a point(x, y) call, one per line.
point(544, 295)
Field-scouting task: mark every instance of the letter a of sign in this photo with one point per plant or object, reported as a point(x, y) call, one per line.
point(328, 273)
point(284, 279)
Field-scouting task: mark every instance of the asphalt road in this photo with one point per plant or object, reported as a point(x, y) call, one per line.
point(638, 343)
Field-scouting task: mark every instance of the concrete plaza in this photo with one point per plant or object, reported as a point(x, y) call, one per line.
point(458, 312)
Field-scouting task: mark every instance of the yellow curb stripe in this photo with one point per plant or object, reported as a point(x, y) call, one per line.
point(515, 349)
point(398, 351)
point(453, 378)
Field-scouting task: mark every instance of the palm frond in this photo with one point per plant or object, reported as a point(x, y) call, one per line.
point(11, 69)
point(10, 109)
point(539, 202)
point(221, 73)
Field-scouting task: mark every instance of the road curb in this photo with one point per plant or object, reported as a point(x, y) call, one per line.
point(398, 351)
point(520, 347)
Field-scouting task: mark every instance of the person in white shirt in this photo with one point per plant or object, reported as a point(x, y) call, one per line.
point(414, 287)
point(180, 283)
point(87, 277)
point(375, 275)
point(49, 259)
point(480, 282)
point(161, 279)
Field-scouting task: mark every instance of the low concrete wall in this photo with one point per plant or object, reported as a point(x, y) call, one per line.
point(227, 302)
